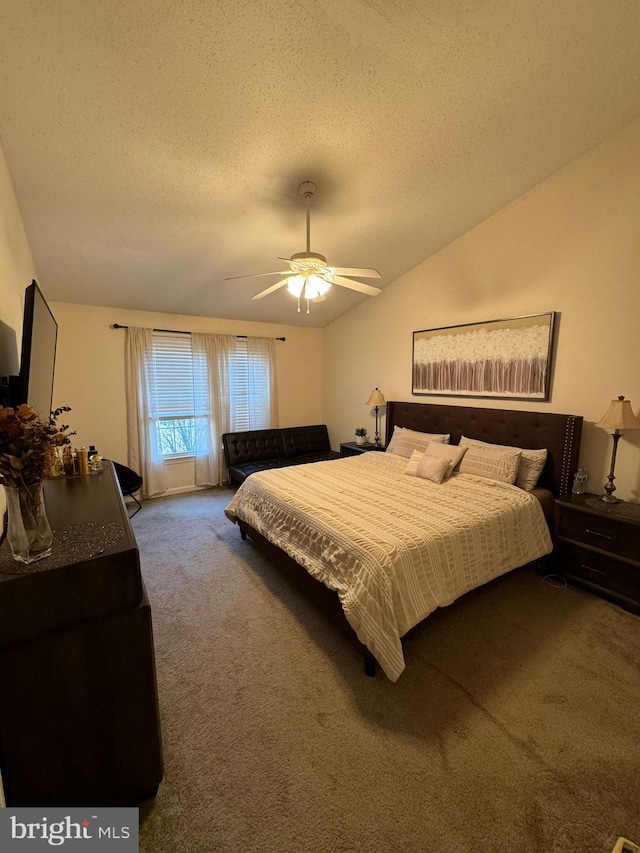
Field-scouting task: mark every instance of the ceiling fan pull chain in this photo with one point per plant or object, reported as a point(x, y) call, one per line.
point(298, 304)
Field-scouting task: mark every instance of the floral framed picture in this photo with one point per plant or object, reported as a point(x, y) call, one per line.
point(504, 359)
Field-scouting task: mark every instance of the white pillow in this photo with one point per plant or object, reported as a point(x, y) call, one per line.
point(532, 462)
point(449, 452)
point(428, 467)
point(494, 463)
point(404, 441)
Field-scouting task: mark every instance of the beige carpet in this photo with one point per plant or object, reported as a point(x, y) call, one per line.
point(515, 726)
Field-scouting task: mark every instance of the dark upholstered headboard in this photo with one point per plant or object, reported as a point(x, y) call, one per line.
point(560, 434)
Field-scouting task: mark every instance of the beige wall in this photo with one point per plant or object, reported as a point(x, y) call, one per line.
point(90, 373)
point(16, 272)
point(571, 245)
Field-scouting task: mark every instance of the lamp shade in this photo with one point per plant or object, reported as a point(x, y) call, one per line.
point(619, 416)
point(377, 399)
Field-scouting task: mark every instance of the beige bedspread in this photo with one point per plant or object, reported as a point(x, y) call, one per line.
point(393, 547)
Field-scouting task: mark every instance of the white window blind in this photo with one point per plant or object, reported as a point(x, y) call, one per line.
point(173, 373)
point(250, 384)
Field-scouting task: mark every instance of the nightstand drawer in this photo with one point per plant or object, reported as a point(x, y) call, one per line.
point(599, 569)
point(600, 532)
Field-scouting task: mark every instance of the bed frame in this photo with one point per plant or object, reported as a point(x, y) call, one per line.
point(560, 434)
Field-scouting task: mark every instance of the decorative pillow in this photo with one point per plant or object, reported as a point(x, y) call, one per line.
point(428, 467)
point(531, 462)
point(451, 452)
point(404, 441)
point(494, 463)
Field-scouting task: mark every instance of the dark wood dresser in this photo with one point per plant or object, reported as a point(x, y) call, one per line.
point(598, 546)
point(79, 718)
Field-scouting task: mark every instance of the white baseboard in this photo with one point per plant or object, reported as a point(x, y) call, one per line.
point(177, 490)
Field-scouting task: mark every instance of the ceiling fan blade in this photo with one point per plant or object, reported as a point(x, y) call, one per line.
point(271, 289)
point(258, 275)
point(369, 289)
point(361, 273)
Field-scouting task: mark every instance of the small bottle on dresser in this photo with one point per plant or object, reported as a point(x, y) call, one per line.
point(83, 461)
point(580, 480)
point(67, 461)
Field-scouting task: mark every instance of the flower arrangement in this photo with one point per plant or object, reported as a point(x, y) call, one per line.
point(362, 431)
point(28, 444)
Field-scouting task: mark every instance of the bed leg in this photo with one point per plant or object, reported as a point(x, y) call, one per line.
point(369, 664)
point(243, 535)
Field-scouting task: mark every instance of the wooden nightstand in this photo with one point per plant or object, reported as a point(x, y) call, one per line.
point(350, 448)
point(598, 546)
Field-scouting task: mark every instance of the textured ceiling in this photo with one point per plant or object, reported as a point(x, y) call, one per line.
point(156, 146)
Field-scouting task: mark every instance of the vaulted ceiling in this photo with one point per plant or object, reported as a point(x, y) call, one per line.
point(156, 146)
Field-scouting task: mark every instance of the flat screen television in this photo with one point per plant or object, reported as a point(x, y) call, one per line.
point(34, 384)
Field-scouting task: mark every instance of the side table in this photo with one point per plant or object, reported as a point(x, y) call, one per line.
point(598, 546)
point(350, 448)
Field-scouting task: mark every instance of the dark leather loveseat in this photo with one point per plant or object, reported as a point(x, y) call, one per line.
point(263, 449)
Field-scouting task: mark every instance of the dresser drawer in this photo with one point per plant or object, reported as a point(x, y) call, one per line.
point(600, 532)
point(599, 569)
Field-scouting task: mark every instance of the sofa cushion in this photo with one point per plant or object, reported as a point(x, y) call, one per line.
point(305, 440)
point(252, 446)
point(239, 473)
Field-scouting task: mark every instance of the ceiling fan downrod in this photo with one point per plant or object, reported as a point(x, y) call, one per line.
point(307, 189)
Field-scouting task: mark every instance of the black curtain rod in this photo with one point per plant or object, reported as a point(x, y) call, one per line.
point(180, 331)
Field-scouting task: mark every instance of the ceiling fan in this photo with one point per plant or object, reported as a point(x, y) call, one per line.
point(309, 277)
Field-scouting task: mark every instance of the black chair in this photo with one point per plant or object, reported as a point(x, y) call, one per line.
point(129, 482)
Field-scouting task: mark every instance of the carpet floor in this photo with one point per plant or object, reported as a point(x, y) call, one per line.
point(515, 725)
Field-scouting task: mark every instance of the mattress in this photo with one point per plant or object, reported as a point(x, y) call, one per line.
point(392, 546)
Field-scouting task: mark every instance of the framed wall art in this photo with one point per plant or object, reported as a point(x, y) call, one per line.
point(505, 359)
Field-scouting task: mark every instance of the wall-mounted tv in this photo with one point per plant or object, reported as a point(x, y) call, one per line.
point(34, 385)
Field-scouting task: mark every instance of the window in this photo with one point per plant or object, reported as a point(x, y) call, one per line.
point(250, 384)
point(173, 374)
point(250, 387)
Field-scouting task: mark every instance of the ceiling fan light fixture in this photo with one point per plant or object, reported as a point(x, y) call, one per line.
point(309, 276)
point(316, 286)
point(295, 285)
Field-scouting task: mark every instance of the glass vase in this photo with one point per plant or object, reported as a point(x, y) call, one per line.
point(28, 532)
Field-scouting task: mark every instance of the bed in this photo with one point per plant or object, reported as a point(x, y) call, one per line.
point(379, 550)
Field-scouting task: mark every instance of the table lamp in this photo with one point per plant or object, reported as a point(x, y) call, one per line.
point(619, 416)
point(376, 399)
